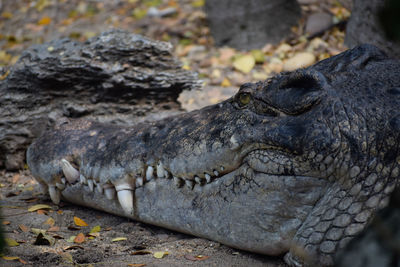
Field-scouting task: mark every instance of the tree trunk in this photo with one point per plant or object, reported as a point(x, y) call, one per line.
point(364, 27)
point(102, 79)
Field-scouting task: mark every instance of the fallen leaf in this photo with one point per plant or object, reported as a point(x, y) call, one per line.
point(73, 228)
point(80, 238)
point(258, 56)
point(6, 15)
point(38, 207)
point(71, 239)
point(196, 258)
point(118, 239)
point(38, 231)
point(160, 254)
point(60, 212)
point(6, 222)
point(22, 261)
point(244, 63)
point(11, 242)
point(10, 258)
point(80, 222)
point(95, 229)
point(141, 252)
point(136, 264)
point(45, 240)
point(198, 3)
point(44, 21)
point(50, 221)
point(53, 229)
point(66, 256)
point(2, 77)
point(226, 83)
point(73, 247)
point(23, 228)
point(42, 212)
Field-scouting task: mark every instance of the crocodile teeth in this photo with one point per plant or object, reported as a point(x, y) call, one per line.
point(110, 193)
point(90, 184)
point(70, 172)
point(178, 181)
point(149, 173)
point(99, 189)
point(222, 168)
point(208, 178)
point(125, 198)
point(189, 184)
point(198, 180)
point(160, 170)
point(55, 194)
point(139, 181)
point(82, 179)
point(63, 180)
point(60, 186)
point(216, 173)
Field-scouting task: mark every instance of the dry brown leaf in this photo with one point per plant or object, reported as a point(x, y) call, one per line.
point(79, 221)
point(44, 21)
point(141, 252)
point(6, 222)
point(80, 238)
point(50, 221)
point(23, 228)
point(53, 229)
point(136, 264)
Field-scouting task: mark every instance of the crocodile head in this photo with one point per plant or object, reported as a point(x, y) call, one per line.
point(297, 164)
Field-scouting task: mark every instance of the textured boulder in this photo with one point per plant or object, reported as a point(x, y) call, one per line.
point(103, 79)
point(251, 24)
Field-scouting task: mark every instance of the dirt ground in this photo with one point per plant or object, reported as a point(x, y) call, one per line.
point(19, 192)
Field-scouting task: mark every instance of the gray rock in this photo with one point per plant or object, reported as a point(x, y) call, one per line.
point(251, 24)
point(318, 22)
point(103, 79)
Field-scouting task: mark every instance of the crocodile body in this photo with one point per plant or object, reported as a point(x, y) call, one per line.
point(295, 165)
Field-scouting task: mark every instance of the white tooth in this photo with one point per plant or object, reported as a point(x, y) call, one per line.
point(82, 179)
point(189, 184)
point(208, 178)
point(99, 188)
point(63, 180)
point(222, 168)
point(125, 198)
point(55, 194)
point(109, 192)
point(60, 186)
point(160, 170)
point(70, 172)
point(124, 186)
point(178, 181)
point(198, 180)
point(149, 173)
point(216, 173)
point(139, 181)
point(166, 174)
point(90, 184)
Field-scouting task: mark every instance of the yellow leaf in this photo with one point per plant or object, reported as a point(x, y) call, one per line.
point(80, 238)
point(39, 207)
point(44, 21)
point(11, 242)
point(160, 254)
point(38, 231)
point(226, 83)
point(80, 222)
point(198, 3)
point(139, 13)
point(118, 239)
point(71, 238)
point(50, 221)
point(244, 63)
point(6, 15)
point(95, 229)
point(10, 258)
point(258, 56)
point(2, 77)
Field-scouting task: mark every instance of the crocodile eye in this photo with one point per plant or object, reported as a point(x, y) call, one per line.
point(244, 99)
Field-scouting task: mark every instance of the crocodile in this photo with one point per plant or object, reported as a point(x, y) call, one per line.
point(294, 166)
